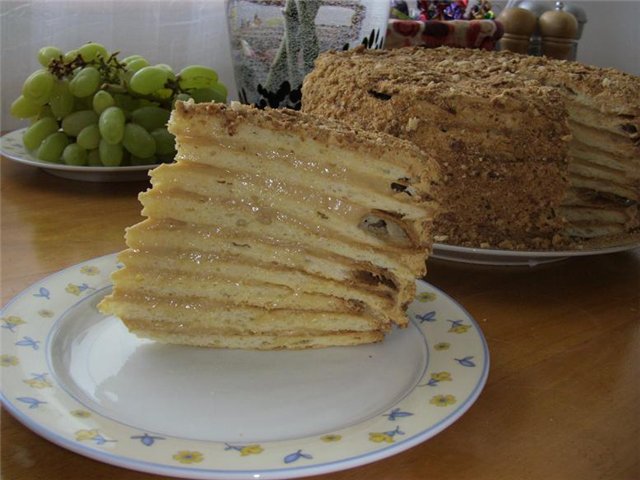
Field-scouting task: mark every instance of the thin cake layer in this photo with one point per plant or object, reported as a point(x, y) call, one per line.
point(257, 342)
point(195, 315)
point(275, 229)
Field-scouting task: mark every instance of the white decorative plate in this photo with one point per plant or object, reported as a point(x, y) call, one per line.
point(483, 256)
point(12, 148)
point(82, 381)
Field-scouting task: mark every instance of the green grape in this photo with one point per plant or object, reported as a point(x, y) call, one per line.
point(165, 142)
point(217, 93)
point(125, 102)
point(38, 86)
point(47, 54)
point(126, 158)
point(125, 78)
point(74, 154)
point(169, 70)
point(200, 95)
point(148, 79)
point(93, 158)
point(36, 133)
point(23, 107)
point(197, 76)
point(163, 93)
point(61, 101)
point(45, 111)
point(101, 101)
point(181, 97)
point(111, 154)
point(152, 160)
point(145, 102)
point(111, 124)
point(221, 93)
point(131, 57)
point(89, 137)
point(75, 122)
point(90, 51)
point(70, 56)
point(136, 64)
point(85, 103)
point(51, 148)
point(85, 82)
point(138, 141)
point(150, 117)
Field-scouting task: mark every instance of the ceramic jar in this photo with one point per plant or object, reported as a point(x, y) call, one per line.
point(275, 42)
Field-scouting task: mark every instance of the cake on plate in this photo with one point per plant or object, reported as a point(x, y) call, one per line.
point(536, 153)
point(276, 229)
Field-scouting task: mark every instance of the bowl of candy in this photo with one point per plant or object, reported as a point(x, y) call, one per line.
point(452, 23)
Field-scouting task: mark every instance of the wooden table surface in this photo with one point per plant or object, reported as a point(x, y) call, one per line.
point(562, 400)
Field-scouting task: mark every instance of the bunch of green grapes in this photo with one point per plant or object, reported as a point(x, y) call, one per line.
point(87, 107)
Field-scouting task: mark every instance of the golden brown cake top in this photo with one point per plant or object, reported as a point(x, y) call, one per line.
point(617, 91)
point(459, 68)
point(319, 129)
point(412, 76)
point(421, 68)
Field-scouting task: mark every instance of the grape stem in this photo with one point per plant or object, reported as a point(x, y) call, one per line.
point(61, 69)
point(109, 69)
point(111, 72)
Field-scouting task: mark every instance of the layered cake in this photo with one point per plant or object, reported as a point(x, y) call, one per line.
point(276, 229)
point(536, 153)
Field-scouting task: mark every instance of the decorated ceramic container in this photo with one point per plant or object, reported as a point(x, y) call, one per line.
point(275, 42)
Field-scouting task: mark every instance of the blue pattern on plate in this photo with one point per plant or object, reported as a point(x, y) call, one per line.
point(397, 413)
point(32, 402)
point(466, 361)
point(146, 439)
point(295, 456)
point(427, 317)
point(44, 293)
point(29, 342)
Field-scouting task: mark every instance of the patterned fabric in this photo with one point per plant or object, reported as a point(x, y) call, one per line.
point(434, 33)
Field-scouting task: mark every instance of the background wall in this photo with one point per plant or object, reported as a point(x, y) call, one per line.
point(612, 35)
point(186, 32)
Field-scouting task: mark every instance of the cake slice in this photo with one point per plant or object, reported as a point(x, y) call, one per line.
point(536, 153)
point(276, 229)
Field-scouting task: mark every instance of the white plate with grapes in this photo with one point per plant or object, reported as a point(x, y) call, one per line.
point(11, 147)
point(97, 118)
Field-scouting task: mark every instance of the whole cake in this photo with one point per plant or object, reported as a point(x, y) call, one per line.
point(535, 153)
point(276, 229)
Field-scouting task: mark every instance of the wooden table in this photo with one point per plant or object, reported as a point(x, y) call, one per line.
point(563, 396)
